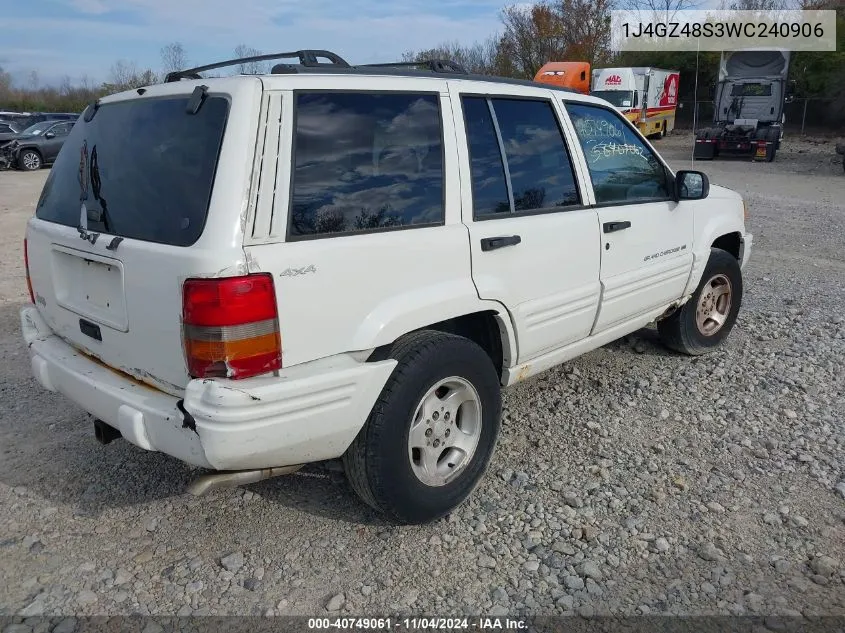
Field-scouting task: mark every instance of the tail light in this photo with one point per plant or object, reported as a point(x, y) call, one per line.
point(26, 265)
point(231, 326)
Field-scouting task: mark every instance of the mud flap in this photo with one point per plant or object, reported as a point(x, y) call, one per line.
point(704, 150)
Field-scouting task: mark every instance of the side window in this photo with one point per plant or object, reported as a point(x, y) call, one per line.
point(539, 170)
point(489, 186)
point(622, 167)
point(62, 129)
point(366, 161)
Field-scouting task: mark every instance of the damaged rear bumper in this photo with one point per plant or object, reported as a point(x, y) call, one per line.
point(310, 412)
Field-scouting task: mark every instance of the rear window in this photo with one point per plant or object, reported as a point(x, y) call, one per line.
point(140, 169)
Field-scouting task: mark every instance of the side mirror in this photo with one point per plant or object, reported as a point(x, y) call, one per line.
point(691, 185)
point(49, 135)
point(790, 92)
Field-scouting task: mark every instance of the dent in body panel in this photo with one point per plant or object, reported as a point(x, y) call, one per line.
point(409, 311)
point(252, 264)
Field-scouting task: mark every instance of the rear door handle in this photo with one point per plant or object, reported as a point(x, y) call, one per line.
point(492, 243)
point(610, 227)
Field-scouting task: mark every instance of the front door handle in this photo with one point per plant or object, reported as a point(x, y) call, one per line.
point(492, 243)
point(610, 227)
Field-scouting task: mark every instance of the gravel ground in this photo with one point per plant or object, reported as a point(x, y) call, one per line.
point(630, 481)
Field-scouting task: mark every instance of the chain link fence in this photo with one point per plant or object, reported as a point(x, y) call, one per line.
point(812, 115)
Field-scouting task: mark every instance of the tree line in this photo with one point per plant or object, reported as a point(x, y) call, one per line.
point(30, 96)
point(530, 35)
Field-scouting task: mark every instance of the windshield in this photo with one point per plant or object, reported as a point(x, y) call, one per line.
point(618, 98)
point(142, 169)
point(751, 90)
point(35, 130)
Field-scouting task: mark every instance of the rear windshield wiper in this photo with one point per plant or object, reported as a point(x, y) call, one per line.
point(96, 184)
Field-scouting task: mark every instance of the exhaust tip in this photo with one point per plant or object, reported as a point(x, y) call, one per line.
point(105, 433)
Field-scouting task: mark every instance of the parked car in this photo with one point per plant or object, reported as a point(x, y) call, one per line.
point(8, 127)
point(39, 144)
point(24, 120)
point(9, 130)
point(254, 273)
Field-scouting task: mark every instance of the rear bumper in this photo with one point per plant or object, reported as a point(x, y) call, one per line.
point(308, 413)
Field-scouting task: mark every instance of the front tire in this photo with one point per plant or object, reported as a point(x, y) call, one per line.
point(29, 160)
point(704, 322)
point(432, 432)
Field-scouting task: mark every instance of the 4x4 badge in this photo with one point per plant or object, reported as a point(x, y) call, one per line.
point(296, 272)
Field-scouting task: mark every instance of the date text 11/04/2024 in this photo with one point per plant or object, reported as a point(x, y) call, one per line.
point(418, 624)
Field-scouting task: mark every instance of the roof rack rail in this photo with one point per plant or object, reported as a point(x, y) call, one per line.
point(309, 58)
point(434, 65)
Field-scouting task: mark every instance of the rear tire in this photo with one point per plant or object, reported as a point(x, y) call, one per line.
point(773, 138)
point(704, 322)
point(29, 160)
point(386, 464)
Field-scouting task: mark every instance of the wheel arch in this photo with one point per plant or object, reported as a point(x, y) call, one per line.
point(722, 231)
point(730, 242)
point(29, 148)
point(491, 328)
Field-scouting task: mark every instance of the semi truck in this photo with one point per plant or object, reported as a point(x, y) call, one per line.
point(647, 96)
point(748, 98)
point(573, 75)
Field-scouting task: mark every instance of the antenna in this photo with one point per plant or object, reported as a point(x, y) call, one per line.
point(695, 103)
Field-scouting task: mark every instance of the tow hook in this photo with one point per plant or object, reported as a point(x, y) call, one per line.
point(105, 433)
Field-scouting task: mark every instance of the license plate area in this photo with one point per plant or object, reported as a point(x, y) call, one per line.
point(91, 286)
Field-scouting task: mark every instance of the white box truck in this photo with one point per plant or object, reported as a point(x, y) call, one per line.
point(648, 97)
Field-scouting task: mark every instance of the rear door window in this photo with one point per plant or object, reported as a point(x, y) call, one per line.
point(141, 169)
point(489, 183)
point(61, 129)
point(366, 161)
point(536, 174)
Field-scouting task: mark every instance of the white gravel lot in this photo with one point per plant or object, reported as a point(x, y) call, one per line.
point(631, 481)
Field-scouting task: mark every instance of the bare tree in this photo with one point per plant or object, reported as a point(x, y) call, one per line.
point(753, 5)
point(532, 36)
point(478, 58)
point(661, 10)
point(122, 72)
point(249, 68)
point(65, 86)
point(173, 57)
point(124, 75)
point(5, 84)
point(585, 26)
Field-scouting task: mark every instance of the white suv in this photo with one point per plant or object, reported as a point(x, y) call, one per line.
point(252, 273)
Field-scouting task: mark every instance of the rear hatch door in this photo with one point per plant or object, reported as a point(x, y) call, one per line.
point(141, 197)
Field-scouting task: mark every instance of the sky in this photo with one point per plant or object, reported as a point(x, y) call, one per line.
point(77, 38)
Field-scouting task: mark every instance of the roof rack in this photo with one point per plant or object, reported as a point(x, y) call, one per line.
point(434, 65)
point(308, 58)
